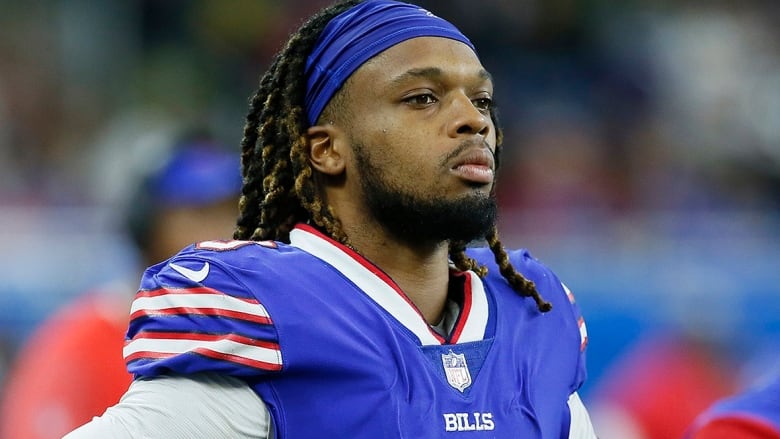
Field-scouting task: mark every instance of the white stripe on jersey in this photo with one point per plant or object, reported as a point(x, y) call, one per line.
point(569, 294)
point(209, 301)
point(583, 333)
point(173, 346)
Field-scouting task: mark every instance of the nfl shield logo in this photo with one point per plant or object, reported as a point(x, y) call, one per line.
point(456, 370)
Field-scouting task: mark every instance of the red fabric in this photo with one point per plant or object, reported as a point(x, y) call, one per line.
point(735, 428)
point(663, 384)
point(70, 370)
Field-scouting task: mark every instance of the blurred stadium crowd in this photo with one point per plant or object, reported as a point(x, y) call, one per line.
point(642, 157)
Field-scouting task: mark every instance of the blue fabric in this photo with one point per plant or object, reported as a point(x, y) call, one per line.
point(359, 34)
point(760, 404)
point(329, 362)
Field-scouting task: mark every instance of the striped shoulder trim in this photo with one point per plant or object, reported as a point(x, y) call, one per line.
point(580, 320)
point(233, 348)
point(197, 301)
point(169, 322)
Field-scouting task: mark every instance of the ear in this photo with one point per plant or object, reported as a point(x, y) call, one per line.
point(326, 149)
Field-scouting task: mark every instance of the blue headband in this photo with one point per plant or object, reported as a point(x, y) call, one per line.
point(357, 35)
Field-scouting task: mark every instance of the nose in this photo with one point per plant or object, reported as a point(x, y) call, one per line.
point(466, 118)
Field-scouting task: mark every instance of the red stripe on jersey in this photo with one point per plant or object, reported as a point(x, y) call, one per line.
point(238, 360)
point(195, 290)
point(213, 312)
point(205, 337)
point(583, 333)
point(149, 355)
point(465, 311)
point(225, 347)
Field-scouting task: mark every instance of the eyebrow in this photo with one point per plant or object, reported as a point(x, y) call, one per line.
point(432, 73)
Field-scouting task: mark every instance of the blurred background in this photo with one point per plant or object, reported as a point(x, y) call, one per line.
point(641, 163)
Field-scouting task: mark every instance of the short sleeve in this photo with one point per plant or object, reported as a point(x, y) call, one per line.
point(191, 315)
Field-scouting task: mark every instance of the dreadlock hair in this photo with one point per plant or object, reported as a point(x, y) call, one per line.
point(279, 188)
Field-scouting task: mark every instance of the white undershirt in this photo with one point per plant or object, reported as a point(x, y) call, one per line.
point(172, 407)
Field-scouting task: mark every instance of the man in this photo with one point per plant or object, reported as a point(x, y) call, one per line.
point(753, 414)
point(72, 368)
point(349, 304)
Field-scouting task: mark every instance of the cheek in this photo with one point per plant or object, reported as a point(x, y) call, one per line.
point(406, 151)
point(403, 155)
point(420, 148)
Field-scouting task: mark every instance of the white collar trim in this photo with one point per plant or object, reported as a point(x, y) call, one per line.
point(386, 293)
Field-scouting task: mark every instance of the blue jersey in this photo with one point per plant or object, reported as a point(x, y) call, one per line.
point(759, 407)
point(335, 349)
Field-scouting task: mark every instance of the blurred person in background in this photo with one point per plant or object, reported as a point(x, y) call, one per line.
point(657, 387)
point(72, 368)
point(753, 413)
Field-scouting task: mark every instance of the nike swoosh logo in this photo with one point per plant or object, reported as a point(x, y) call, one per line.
point(195, 276)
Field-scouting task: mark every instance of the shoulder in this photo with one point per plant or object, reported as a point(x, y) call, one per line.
point(547, 283)
point(563, 324)
point(233, 253)
point(202, 310)
point(521, 258)
point(224, 265)
point(526, 264)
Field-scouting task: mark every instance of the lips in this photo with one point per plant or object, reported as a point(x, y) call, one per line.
point(475, 165)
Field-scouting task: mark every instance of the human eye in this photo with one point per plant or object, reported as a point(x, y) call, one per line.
point(421, 99)
point(484, 104)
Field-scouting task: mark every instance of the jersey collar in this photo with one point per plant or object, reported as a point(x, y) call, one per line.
point(377, 285)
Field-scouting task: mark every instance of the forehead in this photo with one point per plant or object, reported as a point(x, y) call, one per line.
point(435, 55)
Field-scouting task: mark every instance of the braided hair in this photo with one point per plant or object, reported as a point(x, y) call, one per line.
point(279, 188)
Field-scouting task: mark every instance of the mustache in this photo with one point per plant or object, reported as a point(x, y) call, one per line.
point(470, 144)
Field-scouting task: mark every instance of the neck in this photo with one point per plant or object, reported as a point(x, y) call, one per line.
point(421, 271)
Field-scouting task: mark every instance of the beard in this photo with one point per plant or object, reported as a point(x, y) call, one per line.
point(419, 219)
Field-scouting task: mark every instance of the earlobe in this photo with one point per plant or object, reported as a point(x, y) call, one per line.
point(325, 149)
